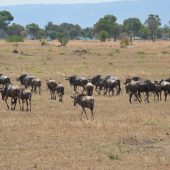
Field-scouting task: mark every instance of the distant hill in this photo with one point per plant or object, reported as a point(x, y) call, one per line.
point(87, 14)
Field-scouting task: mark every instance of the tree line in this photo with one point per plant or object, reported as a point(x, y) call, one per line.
point(106, 27)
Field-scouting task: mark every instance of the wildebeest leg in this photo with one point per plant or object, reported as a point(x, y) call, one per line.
point(113, 92)
point(166, 94)
point(75, 88)
point(12, 102)
point(55, 95)
point(20, 104)
point(147, 97)
point(130, 97)
point(35, 89)
point(7, 102)
point(27, 104)
point(136, 95)
point(97, 90)
point(160, 95)
point(85, 113)
point(92, 114)
point(15, 102)
point(30, 104)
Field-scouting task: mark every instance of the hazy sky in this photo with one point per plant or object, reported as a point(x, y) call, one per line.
point(16, 2)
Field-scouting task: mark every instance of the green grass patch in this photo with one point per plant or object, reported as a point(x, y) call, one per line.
point(113, 157)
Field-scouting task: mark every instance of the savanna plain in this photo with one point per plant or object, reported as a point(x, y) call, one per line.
point(52, 137)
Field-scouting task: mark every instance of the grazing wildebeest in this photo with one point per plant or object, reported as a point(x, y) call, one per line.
point(137, 87)
point(85, 102)
point(77, 81)
point(25, 96)
point(36, 83)
point(165, 86)
point(52, 85)
point(12, 92)
point(60, 91)
point(89, 89)
point(4, 80)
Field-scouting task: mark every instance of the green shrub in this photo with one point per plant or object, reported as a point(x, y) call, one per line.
point(15, 38)
point(103, 36)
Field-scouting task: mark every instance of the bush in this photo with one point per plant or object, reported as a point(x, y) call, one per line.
point(103, 36)
point(15, 38)
point(62, 38)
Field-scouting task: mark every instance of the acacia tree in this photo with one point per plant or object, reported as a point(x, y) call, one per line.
point(107, 23)
point(16, 29)
point(33, 29)
point(5, 19)
point(153, 22)
point(132, 26)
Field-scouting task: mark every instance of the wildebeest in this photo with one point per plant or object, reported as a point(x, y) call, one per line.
point(28, 81)
point(85, 102)
point(165, 86)
point(12, 92)
point(156, 89)
point(51, 85)
point(36, 83)
point(60, 91)
point(97, 82)
point(77, 81)
point(25, 95)
point(110, 83)
point(137, 87)
point(89, 89)
point(25, 80)
point(4, 80)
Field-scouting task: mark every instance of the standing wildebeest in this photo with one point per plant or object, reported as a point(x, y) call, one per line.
point(27, 81)
point(77, 81)
point(36, 83)
point(52, 85)
point(60, 91)
point(110, 83)
point(89, 89)
point(97, 82)
point(25, 95)
point(10, 91)
point(4, 80)
point(137, 87)
point(84, 102)
point(165, 86)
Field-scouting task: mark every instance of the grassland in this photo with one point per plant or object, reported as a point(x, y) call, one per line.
point(123, 136)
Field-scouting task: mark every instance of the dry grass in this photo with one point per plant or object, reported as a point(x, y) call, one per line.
point(123, 136)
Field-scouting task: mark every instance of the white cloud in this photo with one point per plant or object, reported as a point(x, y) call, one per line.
point(18, 2)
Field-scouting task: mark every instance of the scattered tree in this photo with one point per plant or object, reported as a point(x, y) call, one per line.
point(153, 22)
point(103, 36)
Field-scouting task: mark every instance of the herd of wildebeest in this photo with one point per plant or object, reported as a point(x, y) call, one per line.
point(106, 85)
